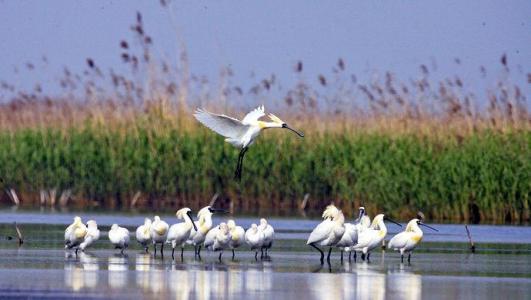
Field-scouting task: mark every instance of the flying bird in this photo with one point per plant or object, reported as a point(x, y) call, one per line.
point(241, 134)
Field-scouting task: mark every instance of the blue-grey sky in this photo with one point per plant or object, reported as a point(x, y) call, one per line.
point(271, 36)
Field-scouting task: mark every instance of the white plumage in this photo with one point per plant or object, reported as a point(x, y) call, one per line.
point(254, 238)
point(179, 233)
point(237, 234)
point(329, 231)
point(119, 237)
point(203, 225)
point(350, 237)
point(370, 238)
point(93, 234)
point(407, 240)
point(240, 134)
point(218, 239)
point(269, 234)
point(143, 234)
point(75, 234)
point(159, 232)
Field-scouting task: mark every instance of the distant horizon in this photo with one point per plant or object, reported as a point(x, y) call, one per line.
point(255, 44)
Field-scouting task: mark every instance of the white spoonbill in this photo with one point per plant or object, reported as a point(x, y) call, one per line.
point(159, 232)
point(143, 234)
point(255, 239)
point(370, 238)
point(119, 237)
point(93, 234)
point(237, 235)
point(408, 239)
point(180, 232)
point(218, 238)
point(75, 234)
point(350, 237)
point(269, 235)
point(329, 231)
point(203, 225)
point(240, 134)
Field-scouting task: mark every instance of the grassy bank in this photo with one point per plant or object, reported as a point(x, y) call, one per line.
point(447, 178)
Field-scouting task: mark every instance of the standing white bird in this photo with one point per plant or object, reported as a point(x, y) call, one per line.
point(370, 238)
point(203, 225)
point(240, 134)
point(180, 232)
point(408, 239)
point(329, 231)
point(255, 239)
point(143, 234)
point(119, 237)
point(93, 234)
point(218, 238)
point(237, 235)
point(269, 235)
point(350, 237)
point(75, 234)
point(159, 232)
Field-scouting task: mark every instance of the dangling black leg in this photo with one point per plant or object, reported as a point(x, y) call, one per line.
point(256, 255)
point(349, 255)
point(122, 251)
point(355, 256)
point(220, 253)
point(328, 257)
point(320, 251)
point(363, 256)
point(173, 253)
point(155, 251)
point(146, 248)
point(182, 254)
point(369, 257)
point(402, 258)
point(341, 256)
point(232, 254)
point(238, 173)
point(409, 258)
point(199, 252)
point(162, 250)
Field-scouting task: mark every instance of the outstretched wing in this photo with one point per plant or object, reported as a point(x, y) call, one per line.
point(224, 125)
point(253, 115)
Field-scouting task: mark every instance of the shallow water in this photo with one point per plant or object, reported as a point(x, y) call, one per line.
point(441, 268)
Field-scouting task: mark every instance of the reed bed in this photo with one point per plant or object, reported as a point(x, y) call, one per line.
point(128, 140)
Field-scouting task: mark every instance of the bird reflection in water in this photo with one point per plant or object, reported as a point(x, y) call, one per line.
point(405, 284)
point(81, 273)
point(117, 266)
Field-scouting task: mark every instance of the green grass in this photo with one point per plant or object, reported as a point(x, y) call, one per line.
point(397, 174)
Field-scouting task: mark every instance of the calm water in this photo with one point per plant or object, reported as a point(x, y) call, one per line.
point(441, 268)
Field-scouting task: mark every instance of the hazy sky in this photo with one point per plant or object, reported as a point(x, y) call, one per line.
point(271, 36)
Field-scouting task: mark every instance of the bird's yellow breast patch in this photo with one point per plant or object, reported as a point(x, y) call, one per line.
point(160, 230)
point(416, 238)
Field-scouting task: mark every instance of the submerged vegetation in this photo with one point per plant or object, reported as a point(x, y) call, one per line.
point(117, 140)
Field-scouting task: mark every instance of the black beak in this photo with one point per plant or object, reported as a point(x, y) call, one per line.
point(297, 132)
point(362, 213)
point(386, 218)
point(217, 211)
point(420, 223)
point(189, 213)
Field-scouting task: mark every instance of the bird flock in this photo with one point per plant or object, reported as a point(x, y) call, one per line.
point(199, 233)
point(361, 235)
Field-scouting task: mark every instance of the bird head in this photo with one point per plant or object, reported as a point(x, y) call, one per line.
point(279, 123)
point(92, 224)
point(231, 224)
